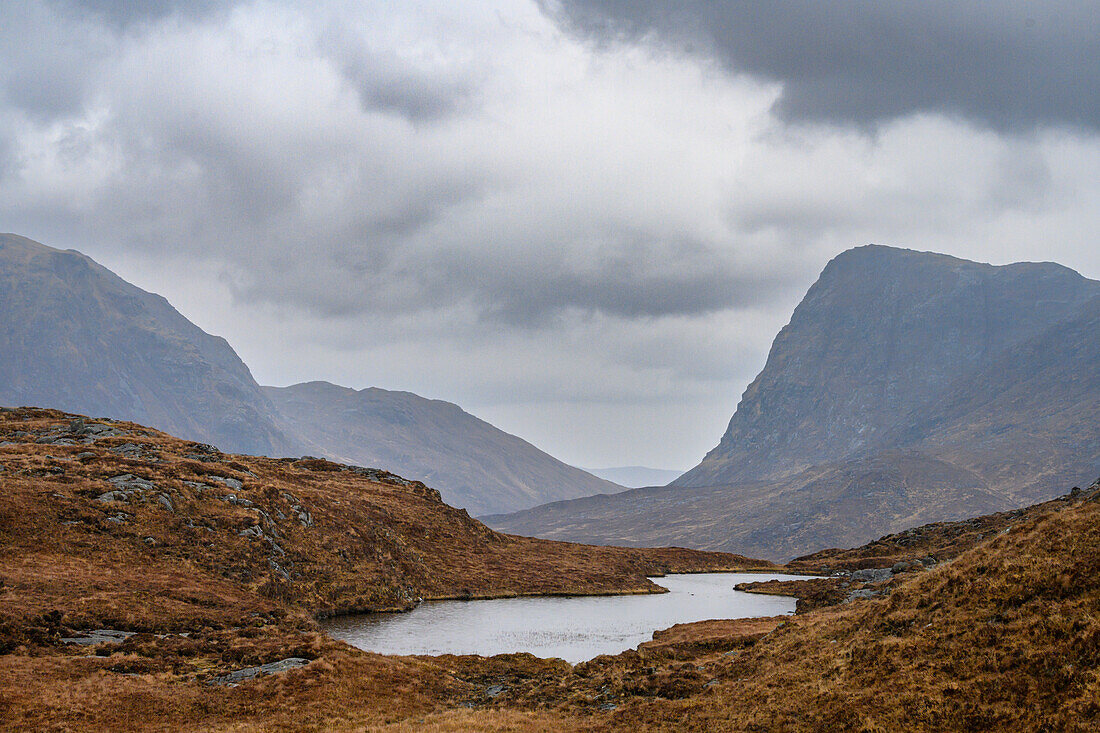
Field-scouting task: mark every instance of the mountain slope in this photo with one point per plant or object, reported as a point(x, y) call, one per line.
point(473, 464)
point(908, 388)
point(883, 334)
point(75, 336)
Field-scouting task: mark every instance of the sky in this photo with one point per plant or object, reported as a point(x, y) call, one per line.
point(583, 221)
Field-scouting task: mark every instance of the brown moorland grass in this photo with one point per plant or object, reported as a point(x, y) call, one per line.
point(1006, 636)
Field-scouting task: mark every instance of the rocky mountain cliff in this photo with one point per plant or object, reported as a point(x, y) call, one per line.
point(881, 338)
point(75, 336)
point(473, 464)
point(908, 388)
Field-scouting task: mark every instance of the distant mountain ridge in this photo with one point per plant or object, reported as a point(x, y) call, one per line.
point(473, 464)
point(75, 336)
point(908, 388)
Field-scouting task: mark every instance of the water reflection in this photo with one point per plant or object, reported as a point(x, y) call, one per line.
point(574, 629)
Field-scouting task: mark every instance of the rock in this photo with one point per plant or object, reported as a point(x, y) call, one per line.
point(131, 482)
point(901, 567)
point(113, 496)
point(132, 451)
point(252, 532)
point(872, 575)
point(283, 665)
point(165, 502)
point(99, 636)
point(495, 690)
point(77, 426)
point(119, 518)
point(232, 499)
point(102, 431)
point(305, 519)
point(864, 593)
point(278, 569)
point(85, 454)
point(229, 483)
point(607, 706)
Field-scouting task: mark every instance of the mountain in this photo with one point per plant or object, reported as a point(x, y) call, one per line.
point(75, 336)
point(907, 388)
point(635, 477)
point(881, 338)
point(473, 464)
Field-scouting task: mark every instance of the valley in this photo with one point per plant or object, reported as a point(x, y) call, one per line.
point(177, 549)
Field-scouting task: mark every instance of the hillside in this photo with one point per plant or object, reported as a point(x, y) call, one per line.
point(882, 340)
point(908, 388)
point(77, 337)
point(999, 633)
point(473, 464)
point(112, 522)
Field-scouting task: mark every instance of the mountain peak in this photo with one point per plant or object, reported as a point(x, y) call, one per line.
point(882, 333)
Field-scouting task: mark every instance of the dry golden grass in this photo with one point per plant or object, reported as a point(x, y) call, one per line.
point(1004, 637)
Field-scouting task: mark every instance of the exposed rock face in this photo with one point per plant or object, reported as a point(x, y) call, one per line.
point(908, 388)
point(473, 464)
point(881, 339)
point(75, 336)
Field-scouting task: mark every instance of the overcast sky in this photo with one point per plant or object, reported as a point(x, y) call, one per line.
point(583, 221)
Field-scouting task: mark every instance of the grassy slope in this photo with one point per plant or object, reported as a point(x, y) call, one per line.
point(1006, 636)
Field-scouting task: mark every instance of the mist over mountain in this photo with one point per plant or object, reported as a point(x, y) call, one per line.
point(473, 464)
point(908, 387)
point(75, 336)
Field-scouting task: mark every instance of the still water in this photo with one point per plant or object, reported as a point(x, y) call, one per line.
point(574, 629)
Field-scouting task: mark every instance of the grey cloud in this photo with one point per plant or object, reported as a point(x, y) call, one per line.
point(387, 86)
point(1010, 65)
point(126, 12)
point(643, 280)
point(387, 83)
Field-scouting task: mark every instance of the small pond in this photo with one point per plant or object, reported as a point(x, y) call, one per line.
point(572, 628)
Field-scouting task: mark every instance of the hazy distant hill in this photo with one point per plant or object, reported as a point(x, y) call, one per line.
point(635, 477)
point(75, 336)
point(908, 387)
point(473, 464)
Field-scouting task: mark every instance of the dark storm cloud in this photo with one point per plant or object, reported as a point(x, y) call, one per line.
point(1004, 63)
point(638, 280)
